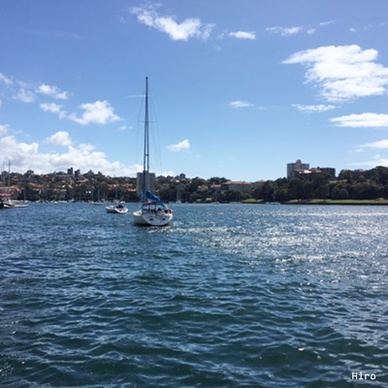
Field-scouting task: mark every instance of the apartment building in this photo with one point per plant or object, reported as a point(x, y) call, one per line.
point(293, 169)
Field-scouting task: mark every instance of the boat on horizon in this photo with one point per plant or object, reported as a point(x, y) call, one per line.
point(153, 211)
point(7, 203)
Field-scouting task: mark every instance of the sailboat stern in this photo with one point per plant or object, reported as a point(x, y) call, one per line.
point(153, 214)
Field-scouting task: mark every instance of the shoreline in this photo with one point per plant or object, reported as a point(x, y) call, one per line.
point(359, 202)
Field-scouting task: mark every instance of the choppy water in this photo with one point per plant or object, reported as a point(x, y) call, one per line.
point(228, 296)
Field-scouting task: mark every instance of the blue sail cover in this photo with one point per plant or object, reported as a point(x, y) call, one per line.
point(152, 196)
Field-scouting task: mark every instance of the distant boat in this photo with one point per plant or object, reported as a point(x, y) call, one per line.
point(118, 209)
point(14, 205)
point(153, 212)
point(10, 204)
point(5, 198)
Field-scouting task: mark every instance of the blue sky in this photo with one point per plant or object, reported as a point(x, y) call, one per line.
point(239, 89)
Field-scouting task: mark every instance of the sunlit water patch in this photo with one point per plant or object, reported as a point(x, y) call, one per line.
point(227, 296)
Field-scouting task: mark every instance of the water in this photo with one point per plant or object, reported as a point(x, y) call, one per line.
point(228, 296)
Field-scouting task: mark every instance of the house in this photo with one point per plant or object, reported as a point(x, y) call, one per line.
point(240, 186)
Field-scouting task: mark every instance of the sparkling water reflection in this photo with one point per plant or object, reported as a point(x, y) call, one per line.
point(229, 295)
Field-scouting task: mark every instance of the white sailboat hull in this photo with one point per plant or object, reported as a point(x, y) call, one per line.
point(141, 217)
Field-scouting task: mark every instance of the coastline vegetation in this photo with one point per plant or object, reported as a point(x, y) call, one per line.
point(317, 201)
point(364, 187)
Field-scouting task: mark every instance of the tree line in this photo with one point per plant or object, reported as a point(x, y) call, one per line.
point(358, 184)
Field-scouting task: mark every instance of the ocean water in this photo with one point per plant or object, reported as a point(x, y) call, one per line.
point(227, 296)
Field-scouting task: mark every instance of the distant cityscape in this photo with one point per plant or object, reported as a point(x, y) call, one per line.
point(301, 182)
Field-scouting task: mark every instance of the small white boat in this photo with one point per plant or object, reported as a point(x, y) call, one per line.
point(8, 204)
point(119, 209)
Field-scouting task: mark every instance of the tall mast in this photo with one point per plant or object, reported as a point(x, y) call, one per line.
point(9, 175)
point(146, 163)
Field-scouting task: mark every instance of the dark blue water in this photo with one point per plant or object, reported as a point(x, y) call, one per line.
point(228, 296)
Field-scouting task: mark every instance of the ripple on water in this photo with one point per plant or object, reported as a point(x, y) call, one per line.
point(227, 296)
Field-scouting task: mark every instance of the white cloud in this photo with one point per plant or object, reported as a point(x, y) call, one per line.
point(5, 80)
point(378, 160)
point(367, 27)
point(17, 151)
point(343, 72)
point(240, 104)
point(284, 31)
point(189, 28)
point(28, 93)
point(381, 144)
point(61, 138)
point(4, 129)
point(327, 23)
point(53, 91)
point(363, 120)
point(99, 112)
point(314, 108)
point(243, 35)
point(26, 156)
point(183, 145)
point(25, 95)
point(51, 107)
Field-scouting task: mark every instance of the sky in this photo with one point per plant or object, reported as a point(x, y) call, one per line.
point(237, 89)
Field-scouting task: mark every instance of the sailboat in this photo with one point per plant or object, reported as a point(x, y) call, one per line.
point(153, 212)
point(5, 198)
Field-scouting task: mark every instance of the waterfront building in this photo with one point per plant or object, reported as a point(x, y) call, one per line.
point(315, 171)
point(293, 169)
point(242, 187)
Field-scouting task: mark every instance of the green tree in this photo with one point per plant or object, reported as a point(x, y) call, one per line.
point(296, 189)
point(322, 191)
